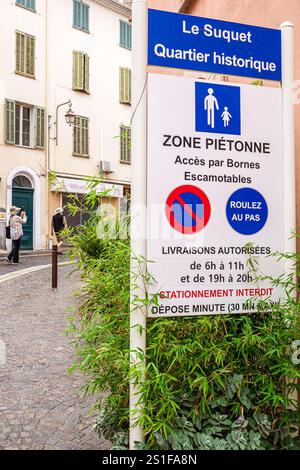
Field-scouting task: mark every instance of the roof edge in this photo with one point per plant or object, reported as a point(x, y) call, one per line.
point(117, 7)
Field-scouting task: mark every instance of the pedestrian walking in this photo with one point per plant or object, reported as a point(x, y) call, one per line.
point(59, 223)
point(17, 219)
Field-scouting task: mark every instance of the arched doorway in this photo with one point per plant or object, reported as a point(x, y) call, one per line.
point(22, 196)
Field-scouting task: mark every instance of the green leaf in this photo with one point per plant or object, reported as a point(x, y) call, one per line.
point(218, 402)
point(237, 440)
point(220, 444)
point(232, 386)
point(203, 441)
point(254, 440)
point(245, 399)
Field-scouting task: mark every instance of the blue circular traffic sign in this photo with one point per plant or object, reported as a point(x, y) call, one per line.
point(247, 211)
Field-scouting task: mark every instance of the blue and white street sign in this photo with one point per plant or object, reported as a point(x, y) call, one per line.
point(218, 108)
point(196, 43)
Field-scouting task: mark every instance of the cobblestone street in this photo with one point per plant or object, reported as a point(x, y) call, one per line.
point(41, 405)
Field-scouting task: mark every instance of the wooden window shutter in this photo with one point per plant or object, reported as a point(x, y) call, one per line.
point(129, 85)
point(10, 123)
point(128, 143)
point(125, 34)
point(75, 69)
point(81, 137)
point(76, 136)
point(78, 70)
point(121, 85)
point(127, 43)
point(125, 144)
point(25, 54)
point(85, 136)
point(40, 127)
point(20, 52)
point(30, 55)
point(125, 85)
point(81, 15)
point(76, 13)
point(129, 36)
point(86, 73)
point(30, 4)
point(85, 13)
point(122, 33)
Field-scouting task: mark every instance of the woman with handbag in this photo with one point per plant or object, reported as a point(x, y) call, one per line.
point(16, 223)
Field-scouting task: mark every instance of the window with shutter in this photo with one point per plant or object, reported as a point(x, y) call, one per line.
point(24, 124)
point(29, 4)
point(81, 137)
point(10, 116)
point(125, 85)
point(40, 127)
point(125, 34)
point(125, 144)
point(81, 71)
point(25, 54)
point(81, 15)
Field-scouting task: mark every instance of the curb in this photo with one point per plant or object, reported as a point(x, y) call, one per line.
point(28, 254)
point(33, 269)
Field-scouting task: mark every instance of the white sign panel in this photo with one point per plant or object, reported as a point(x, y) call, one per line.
point(76, 186)
point(215, 194)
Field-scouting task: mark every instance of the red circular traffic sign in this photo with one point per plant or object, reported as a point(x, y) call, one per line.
point(188, 209)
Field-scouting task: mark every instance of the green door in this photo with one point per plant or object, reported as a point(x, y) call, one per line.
point(23, 197)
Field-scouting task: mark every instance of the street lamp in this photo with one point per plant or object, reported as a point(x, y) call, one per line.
point(70, 118)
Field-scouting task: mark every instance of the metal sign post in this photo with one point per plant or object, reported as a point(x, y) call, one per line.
point(287, 32)
point(138, 200)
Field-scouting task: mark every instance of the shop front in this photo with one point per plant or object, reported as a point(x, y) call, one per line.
point(67, 191)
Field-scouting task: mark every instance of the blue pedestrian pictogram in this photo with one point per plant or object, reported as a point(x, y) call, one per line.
point(218, 108)
point(247, 211)
point(188, 209)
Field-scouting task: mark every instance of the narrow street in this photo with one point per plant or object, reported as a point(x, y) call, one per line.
point(41, 405)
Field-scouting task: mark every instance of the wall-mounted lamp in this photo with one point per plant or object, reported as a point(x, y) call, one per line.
point(70, 117)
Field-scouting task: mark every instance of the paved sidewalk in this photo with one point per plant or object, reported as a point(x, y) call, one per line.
point(41, 405)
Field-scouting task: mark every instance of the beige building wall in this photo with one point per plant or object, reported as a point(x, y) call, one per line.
point(168, 5)
point(56, 39)
point(257, 12)
point(17, 160)
point(101, 106)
